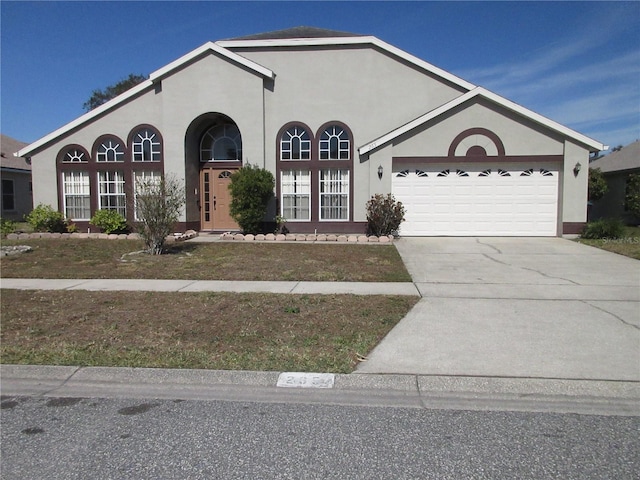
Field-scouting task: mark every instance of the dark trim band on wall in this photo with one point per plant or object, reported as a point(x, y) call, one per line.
point(572, 228)
point(503, 159)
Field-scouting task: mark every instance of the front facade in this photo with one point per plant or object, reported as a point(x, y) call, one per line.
point(337, 118)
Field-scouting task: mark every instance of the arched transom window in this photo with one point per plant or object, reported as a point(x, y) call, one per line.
point(75, 155)
point(110, 150)
point(334, 144)
point(146, 146)
point(221, 143)
point(295, 144)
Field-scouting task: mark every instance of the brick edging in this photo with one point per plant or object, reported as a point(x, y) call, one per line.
point(103, 236)
point(299, 237)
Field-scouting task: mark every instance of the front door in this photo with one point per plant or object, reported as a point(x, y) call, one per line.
point(215, 199)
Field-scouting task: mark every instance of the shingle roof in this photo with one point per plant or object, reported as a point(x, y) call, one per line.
point(9, 146)
point(626, 159)
point(297, 32)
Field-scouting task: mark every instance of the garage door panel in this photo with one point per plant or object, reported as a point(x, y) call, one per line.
point(485, 200)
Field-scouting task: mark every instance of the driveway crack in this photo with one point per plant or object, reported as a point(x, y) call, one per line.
point(530, 270)
point(488, 245)
point(612, 314)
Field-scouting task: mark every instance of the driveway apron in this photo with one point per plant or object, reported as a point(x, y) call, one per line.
point(516, 307)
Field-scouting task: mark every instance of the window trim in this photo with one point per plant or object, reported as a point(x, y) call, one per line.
point(321, 194)
point(131, 143)
point(100, 142)
point(116, 182)
point(239, 151)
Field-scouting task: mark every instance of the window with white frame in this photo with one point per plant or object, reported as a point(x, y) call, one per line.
point(221, 143)
point(110, 150)
point(76, 195)
point(75, 155)
point(295, 188)
point(142, 180)
point(146, 146)
point(334, 144)
point(334, 194)
point(111, 194)
point(295, 144)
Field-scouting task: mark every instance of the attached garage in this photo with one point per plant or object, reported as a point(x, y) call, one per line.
point(478, 199)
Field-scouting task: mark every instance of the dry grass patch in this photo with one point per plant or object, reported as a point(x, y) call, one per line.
point(195, 330)
point(91, 258)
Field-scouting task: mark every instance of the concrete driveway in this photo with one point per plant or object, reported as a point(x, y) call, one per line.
point(516, 307)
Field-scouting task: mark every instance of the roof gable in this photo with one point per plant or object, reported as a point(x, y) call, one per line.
point(592, 144)
point(347, 40)
point(154, 77)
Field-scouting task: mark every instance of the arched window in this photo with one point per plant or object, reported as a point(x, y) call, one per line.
point(146, 145)
point(74, 154)
point(110, 149)
point(295, 144)
point(334, 144)
point(221, 143)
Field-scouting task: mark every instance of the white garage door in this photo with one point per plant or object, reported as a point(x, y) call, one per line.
point(483, 200)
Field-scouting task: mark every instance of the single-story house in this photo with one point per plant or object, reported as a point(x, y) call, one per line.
point(337, 118)
point(616, 168)
point(15, 173)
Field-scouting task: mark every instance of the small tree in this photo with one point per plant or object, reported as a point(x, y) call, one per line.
point(597, 185)
point(384, 215)
point(158, 205)
point(632, 197)
point(251, 190)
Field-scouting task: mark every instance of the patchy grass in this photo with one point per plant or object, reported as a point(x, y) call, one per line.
point(316, 333)
point(628, 246)
point(92, 258)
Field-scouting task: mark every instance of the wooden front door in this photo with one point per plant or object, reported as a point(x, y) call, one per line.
point(215, 199)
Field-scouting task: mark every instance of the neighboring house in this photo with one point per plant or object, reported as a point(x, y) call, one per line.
point(15, 173)
point(616, 167)
point(337, 118)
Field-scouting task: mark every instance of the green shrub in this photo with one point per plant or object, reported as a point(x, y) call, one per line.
point(109, 221)
point(44, 218)
point(251, 190)
point(632, 195)
point(7, 226)
point(605, 228)
point(597, 185)
point(384, 215)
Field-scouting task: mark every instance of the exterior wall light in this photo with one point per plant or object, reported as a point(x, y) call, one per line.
point(380, 171)
point(577, 168)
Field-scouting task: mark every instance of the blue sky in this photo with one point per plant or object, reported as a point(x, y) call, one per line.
point(577, 63)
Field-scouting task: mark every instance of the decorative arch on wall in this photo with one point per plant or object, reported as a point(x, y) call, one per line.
point(476, 142)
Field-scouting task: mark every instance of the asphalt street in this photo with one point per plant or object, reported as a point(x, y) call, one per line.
point(88, 438)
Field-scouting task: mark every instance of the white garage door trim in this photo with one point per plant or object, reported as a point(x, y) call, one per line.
point(478, 199)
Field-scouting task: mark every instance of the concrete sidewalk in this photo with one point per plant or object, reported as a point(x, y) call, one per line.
point(356, 288)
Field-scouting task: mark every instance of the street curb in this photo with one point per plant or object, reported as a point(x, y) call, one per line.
point(599, 397)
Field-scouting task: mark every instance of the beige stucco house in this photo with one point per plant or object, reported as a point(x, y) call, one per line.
point(337, 118)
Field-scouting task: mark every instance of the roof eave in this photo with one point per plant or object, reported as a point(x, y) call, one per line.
point(361, 40)
point(593, 145)
point(154, 77)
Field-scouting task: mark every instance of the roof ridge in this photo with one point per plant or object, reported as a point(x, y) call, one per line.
point(302, 31)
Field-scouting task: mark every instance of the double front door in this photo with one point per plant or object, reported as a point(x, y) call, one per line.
point(215, 199)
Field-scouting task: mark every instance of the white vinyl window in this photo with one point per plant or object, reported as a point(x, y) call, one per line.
point(77, 199)
point(334, 144)
point(146, 146)
point(111, 192)
point(334, 194)
point(295, 144)
point(295, 186)
point(110, 150)
point(146, 178)
point(75, 155)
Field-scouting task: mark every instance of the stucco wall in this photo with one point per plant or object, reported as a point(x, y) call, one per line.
point(22, 194)
point(574, 187)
